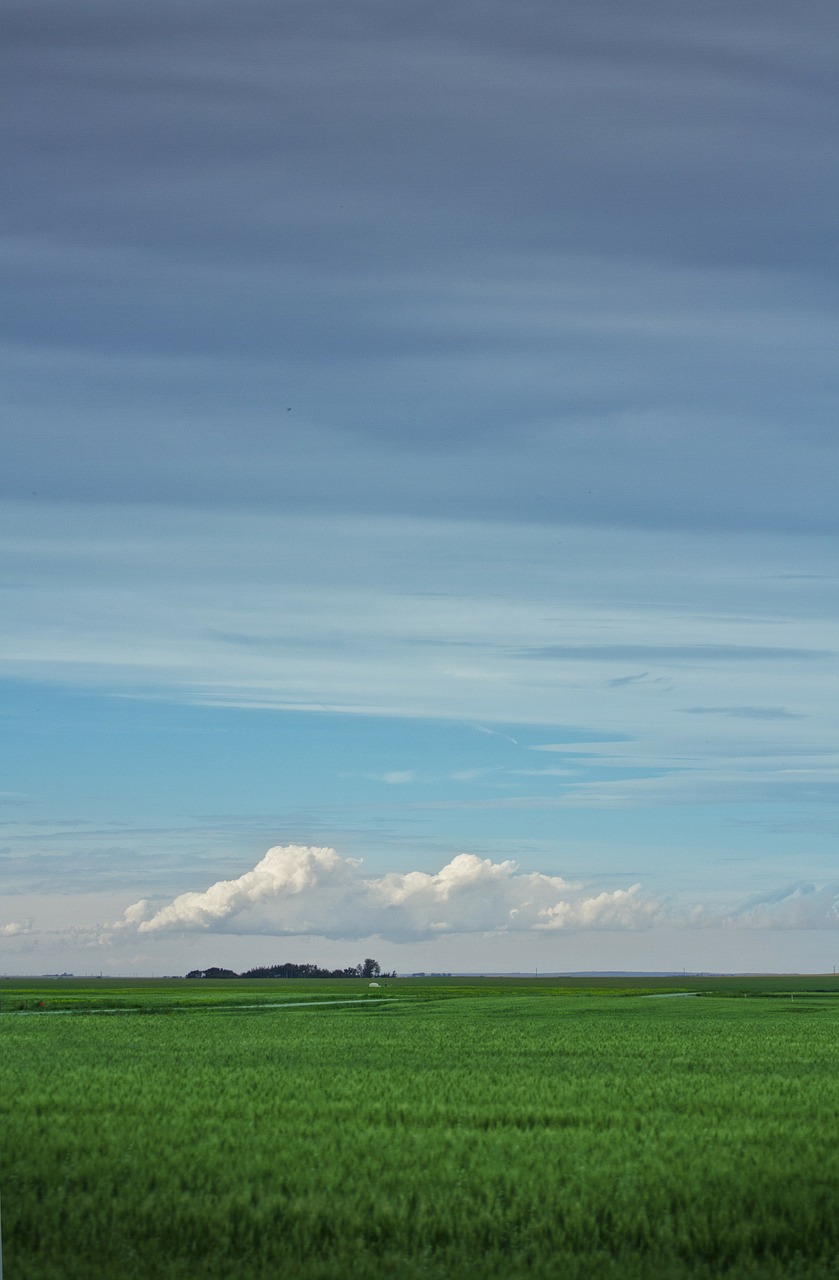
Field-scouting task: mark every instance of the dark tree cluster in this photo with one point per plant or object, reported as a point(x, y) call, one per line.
point(366, 969)
point(299, 971)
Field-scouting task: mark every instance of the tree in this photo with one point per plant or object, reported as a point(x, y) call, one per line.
point(369, 969)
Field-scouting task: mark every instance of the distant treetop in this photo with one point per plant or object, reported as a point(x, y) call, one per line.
point(366, 969)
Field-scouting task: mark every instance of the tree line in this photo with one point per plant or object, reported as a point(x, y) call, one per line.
point(366, 969)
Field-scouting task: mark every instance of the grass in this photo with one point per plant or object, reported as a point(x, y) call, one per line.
point(507, 1129)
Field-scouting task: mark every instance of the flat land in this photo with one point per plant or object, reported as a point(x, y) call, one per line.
point(431, 1128)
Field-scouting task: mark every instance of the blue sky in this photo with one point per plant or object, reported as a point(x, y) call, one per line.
point(419, 460)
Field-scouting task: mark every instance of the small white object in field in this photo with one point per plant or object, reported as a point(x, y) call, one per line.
point(374, 984)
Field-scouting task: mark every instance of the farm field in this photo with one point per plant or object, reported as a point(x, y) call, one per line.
point(429, 1129)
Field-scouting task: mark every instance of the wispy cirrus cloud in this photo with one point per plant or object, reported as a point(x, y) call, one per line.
point(745, 713)
point(673, 654)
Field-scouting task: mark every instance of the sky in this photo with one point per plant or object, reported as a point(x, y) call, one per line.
point(418, 472)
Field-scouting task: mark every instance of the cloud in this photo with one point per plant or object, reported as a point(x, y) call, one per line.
point(296, 890)
point(674, 654)
point(495, 733)
point(633, 329)
point(15, 928)
point(745, 713)
point(799, 906)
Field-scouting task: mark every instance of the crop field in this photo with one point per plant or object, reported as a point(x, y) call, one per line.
point(427, 1129)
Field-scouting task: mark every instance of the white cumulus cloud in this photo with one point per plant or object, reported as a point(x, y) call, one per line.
point(14, 928)
point(297, 890)
point(801, 906)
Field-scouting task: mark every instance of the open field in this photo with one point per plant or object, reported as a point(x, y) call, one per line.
point(435, 1128)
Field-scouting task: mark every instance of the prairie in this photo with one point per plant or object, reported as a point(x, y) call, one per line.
point(433, 1129)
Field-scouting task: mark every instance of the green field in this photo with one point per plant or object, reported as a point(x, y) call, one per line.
point(431, 1128)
